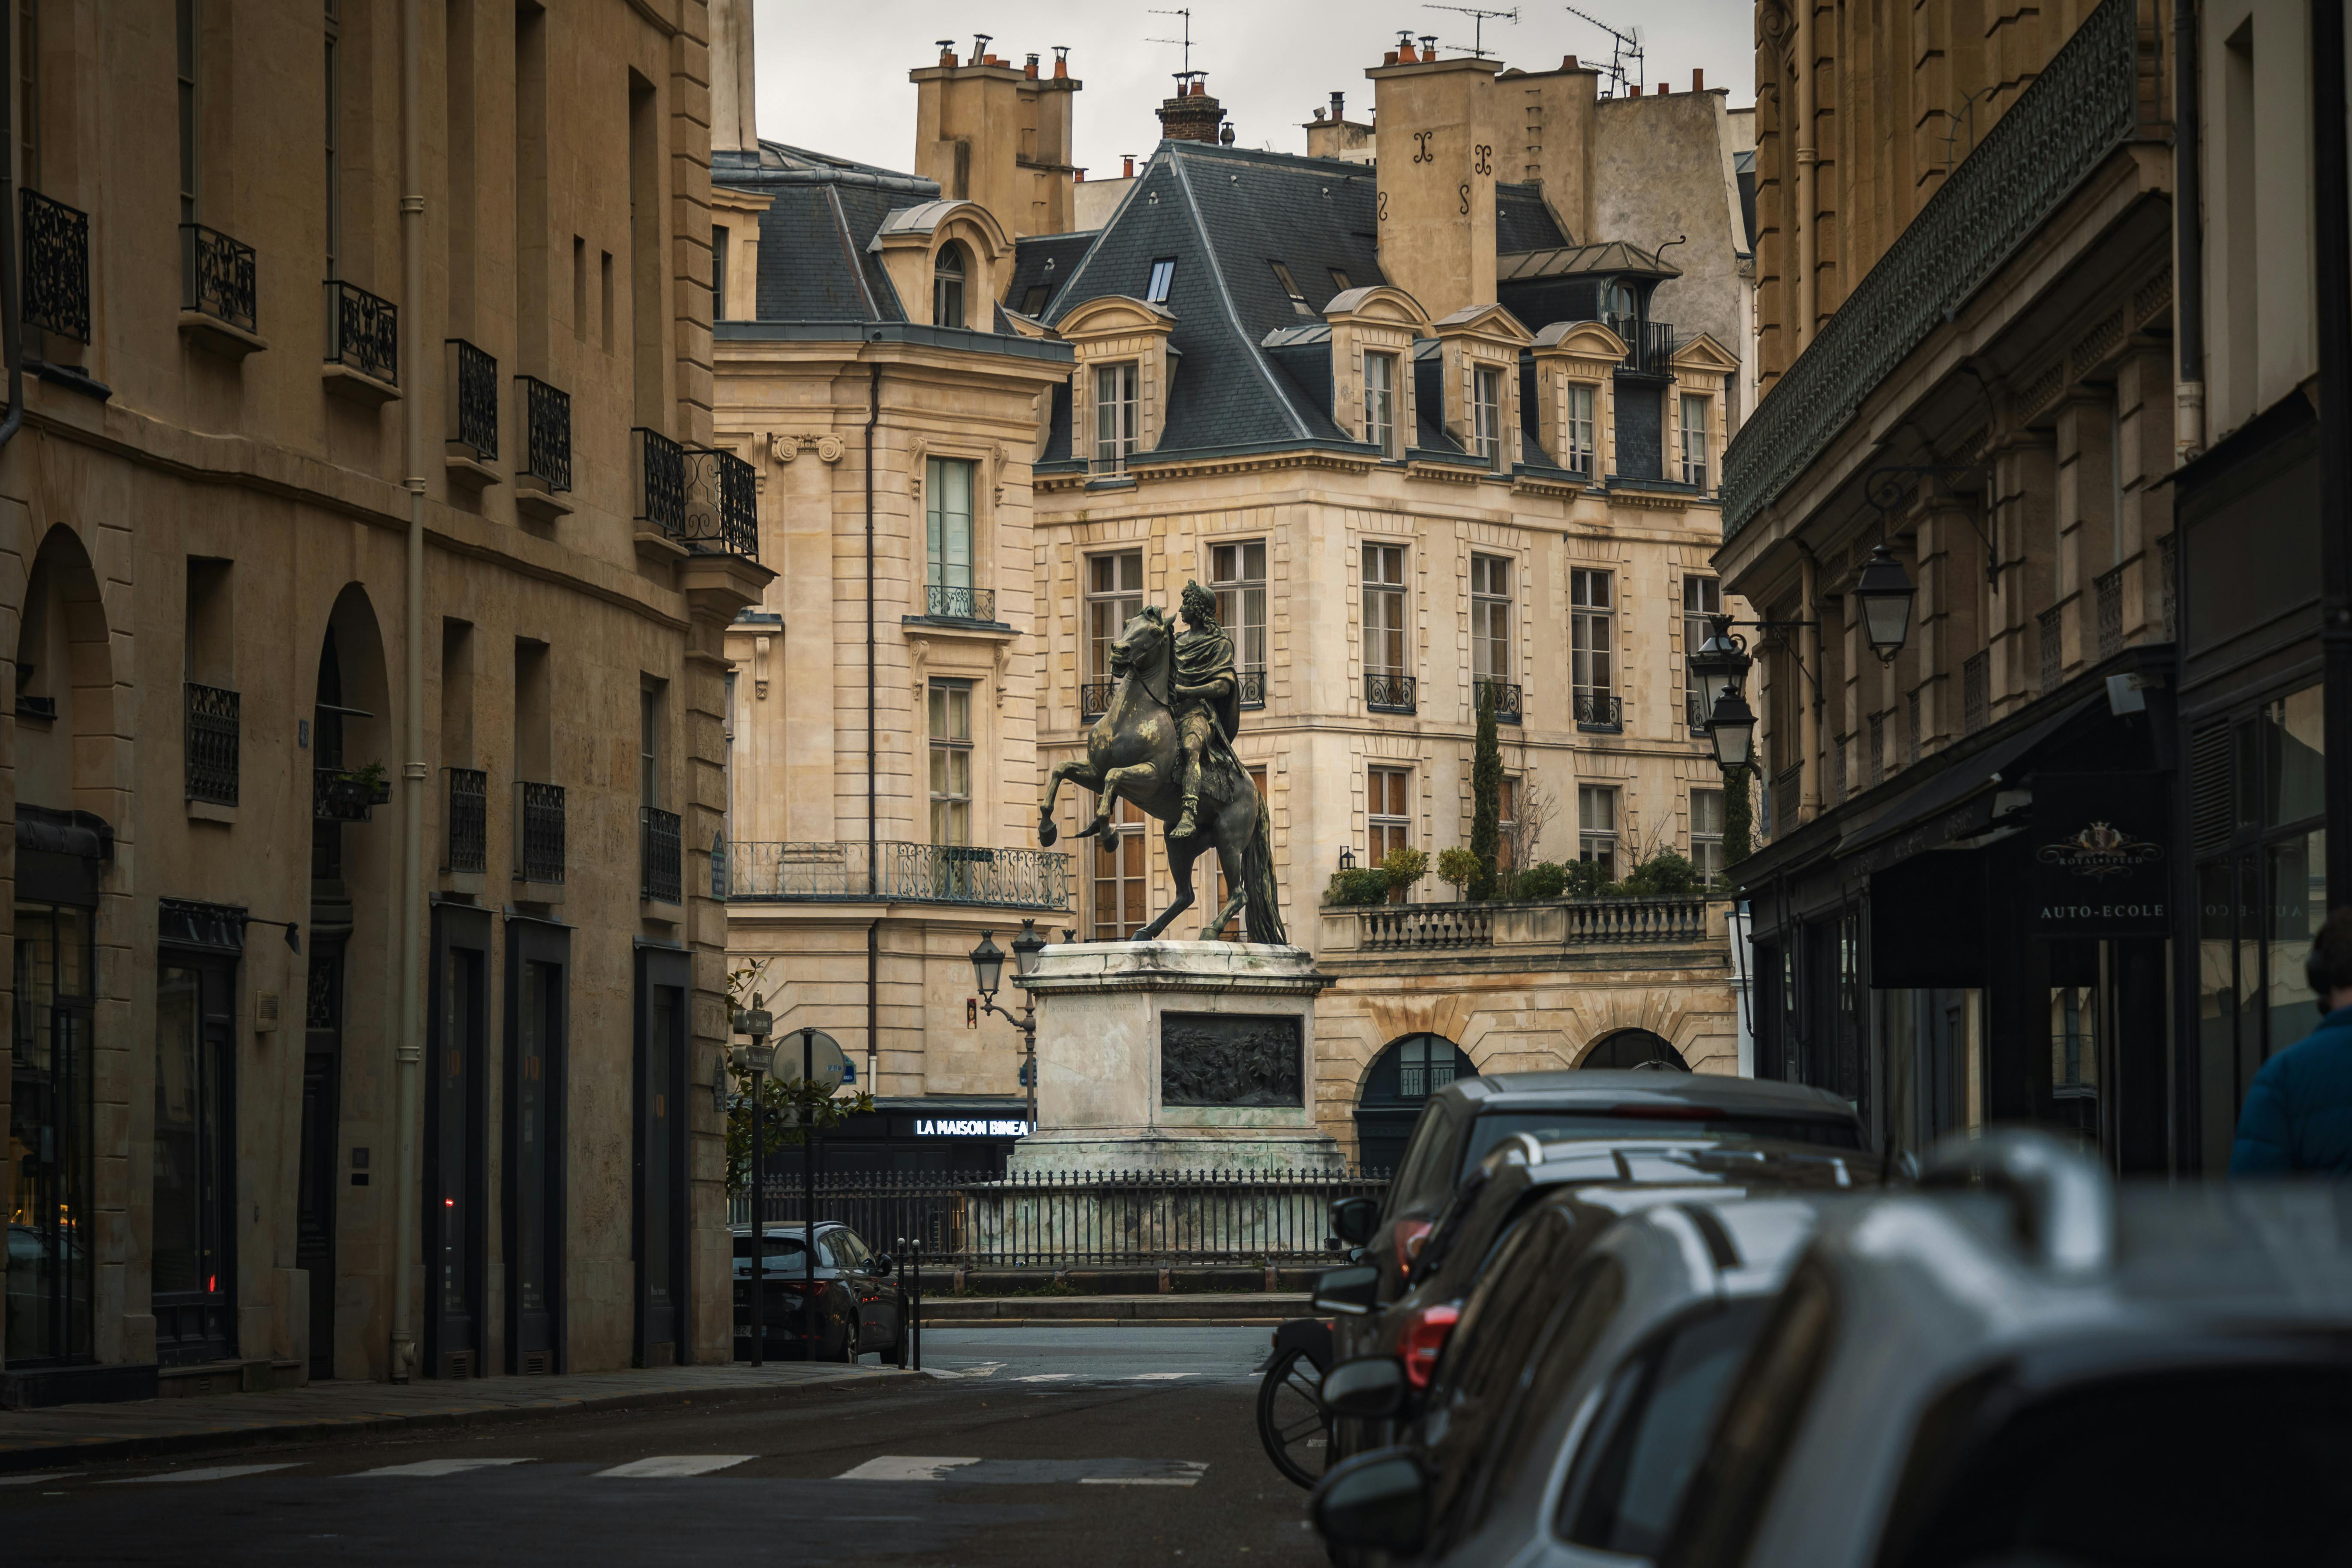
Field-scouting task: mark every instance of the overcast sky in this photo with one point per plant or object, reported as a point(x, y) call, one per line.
point(833, 76)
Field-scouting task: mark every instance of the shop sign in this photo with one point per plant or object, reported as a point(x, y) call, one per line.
point(2100, 864)
point(969, 1127)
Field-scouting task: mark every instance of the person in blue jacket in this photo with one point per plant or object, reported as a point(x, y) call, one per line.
point(2297, 1119)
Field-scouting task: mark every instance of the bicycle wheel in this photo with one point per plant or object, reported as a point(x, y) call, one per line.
point(1290, 1419)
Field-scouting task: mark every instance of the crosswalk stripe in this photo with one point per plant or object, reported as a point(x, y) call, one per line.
point(440, 1467)
point(1046, 1377)
point(1185, 1473)
point(904, 1467)
point(1158, 1376)
point(211, 1473)
point(677, 1464)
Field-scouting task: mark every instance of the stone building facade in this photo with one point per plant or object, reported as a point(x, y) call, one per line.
point(385, 615)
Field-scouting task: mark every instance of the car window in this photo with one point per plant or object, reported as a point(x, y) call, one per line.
point(781, 1250)
point(2132, 1470)
point(1822, 1132)
point(1426, 1171)
point(1558, 1361)
point(847, 1248)
point(1630, 1470)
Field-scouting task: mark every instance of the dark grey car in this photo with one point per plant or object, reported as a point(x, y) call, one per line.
point(859, 1307)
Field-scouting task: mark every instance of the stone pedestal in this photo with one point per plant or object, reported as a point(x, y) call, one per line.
point(1157, 1056)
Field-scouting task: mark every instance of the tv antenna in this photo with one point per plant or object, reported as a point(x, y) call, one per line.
point(1478, 20)
point(1185, 42)
point(1626, 51)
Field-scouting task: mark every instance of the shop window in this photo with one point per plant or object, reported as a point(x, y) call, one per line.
point(51, 1231)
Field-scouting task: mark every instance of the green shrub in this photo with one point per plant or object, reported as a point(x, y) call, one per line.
point(1459, 867)
point(1545, 878)
point(1665, 875)
point(1364, 885)
point(1405, 866)
point(1584, 878)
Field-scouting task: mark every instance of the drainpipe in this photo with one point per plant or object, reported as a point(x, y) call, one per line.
point(2188, 226)
point(1809, 713)
point(2331, 167)
point(409, 1015)
point(12, 332)
point(1807, 245)
point(873, 832)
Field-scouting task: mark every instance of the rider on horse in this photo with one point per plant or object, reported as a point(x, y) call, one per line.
point(1207, 699)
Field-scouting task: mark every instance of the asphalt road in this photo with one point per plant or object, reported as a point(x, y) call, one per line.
point(1078, 1446)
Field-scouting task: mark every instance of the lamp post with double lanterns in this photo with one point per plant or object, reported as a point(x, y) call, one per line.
point(758, 1058)
point(988, 973)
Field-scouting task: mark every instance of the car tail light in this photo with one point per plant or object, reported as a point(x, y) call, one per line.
point(1424, 1337)
point(1411, 1235)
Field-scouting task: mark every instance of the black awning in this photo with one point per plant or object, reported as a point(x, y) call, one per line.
point(84, 834)
point(1946, 807)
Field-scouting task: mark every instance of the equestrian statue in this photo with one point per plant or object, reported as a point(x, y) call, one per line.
point(1166, 743)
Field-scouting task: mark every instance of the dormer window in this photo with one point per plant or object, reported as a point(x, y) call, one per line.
point(947, 287)
point(1163, 274)
point(1380, 404)
point(1298, 300)
point(1581, 446)
point(1487, 414)
point(1694, 432)
point(1033, 301)
point(1115, 416)
point(1339, 281)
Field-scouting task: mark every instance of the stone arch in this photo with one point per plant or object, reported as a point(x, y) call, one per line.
point(1393, 1088)
point(67, 731)
point(1632, 1048)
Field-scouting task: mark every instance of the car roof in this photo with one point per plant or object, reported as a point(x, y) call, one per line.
point(1571, 1089)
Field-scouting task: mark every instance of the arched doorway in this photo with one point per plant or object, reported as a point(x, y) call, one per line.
point(1400, 1079)
point(1634, 1047)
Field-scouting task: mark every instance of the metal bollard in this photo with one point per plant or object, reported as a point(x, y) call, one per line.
point(915, 1304)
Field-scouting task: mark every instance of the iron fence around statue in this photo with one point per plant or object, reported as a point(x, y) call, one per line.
point(1078, 1219)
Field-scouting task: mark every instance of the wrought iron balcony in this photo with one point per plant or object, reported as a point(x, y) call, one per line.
point(539, 832)
point(56, 266)
point(1094, 699)
point(212, 743)
point(1251, 684)
point(468, 825)
point(660, 483)
point(951, 603)
point(1388, 692)
point(1695, 717)
point(661, 854)
point(920, 873)
point(2086, 103)
point(722, 514)
point(474, 400)
point(1649, 345)
point(546, 433)
point(2108, 587)
point(1504, 695)
point(340, 795)
point(362, 331)
point(216, 277)
point(1601, 713)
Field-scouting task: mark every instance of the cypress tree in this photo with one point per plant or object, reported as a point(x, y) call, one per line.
point(1485, 800)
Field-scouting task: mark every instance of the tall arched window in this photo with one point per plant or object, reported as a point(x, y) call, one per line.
point(947, 286)
point(1400, 1079)
point(1634, 1047)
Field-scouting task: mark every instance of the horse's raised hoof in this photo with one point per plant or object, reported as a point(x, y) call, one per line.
point(1047, 831)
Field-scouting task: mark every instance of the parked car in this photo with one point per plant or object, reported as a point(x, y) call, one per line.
point(1466, 1119)
point(2049, 1371)
point(859, 1307)
point(1612, 1178)
point(1569, 1412)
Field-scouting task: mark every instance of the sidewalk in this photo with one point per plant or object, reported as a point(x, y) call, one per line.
point(1238, 1310)
point(33, 1439)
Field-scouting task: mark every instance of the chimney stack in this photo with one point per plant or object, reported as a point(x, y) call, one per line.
point(1339, 106)
point(996, 133)
point(1127, 165)
point(1060, 62)
point(1192, 115)
point(1438, 187)
point(1698, 80)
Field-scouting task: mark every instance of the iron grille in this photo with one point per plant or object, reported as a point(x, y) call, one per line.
point(470, 819)
point(56, 266)
point(1649, 345)
point(1877, 750)
point(1693, 714)
point(1601, 713)
point(362, 331)
point(959, 603)
point(539, 832)
point(212, 742)
point(662, 852)
point(1387, 692)
point(721, 507)
point(546, 433)
point(2085, 103)
point(1504, 695)
point(1976, 692)
point(1252, 685)
point(2109, 587)
point(216, 277)
point(474, 410)
point(1094, 699)
point(2051, 631)
point(1839, 750)
point(661, 483)
point(2212, 810)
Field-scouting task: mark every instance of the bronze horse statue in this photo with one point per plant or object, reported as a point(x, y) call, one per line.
point(1133, 752)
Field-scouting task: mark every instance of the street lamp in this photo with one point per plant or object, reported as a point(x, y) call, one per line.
point(1719, 665)
point(988, 971)
point(1884, 591)
point(759, 1057)
point(1347, 857)
point(1731, 730)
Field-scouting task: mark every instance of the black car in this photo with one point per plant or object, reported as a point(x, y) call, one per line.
point(859, 1307)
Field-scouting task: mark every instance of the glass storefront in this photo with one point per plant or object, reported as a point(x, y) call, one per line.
point(49, 1134)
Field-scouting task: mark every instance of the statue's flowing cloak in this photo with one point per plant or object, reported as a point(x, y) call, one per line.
point(1205, 656)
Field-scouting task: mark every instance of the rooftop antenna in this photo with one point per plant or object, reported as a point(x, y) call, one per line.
point(1186, 41)
point(1478, 20)
point(1626, 51)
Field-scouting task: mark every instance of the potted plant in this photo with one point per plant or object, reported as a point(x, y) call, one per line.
point(345, 794)
point(1458, 867)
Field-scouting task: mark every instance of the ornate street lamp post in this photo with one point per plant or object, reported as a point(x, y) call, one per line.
point(759, 1057)
point(988, 973)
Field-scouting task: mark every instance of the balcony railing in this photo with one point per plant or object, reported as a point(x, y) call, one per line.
point(212, 743)
point(2109, 587)
point(1614, 920)
point(1601, 713)
point(660, 465)
point(920, 873)
point(2050, 634)
point(546, 433)
point(1531, 927)
point(1094, 699)
point(1649, 345)
point(2084, 104)
point(661, 853)
point(1385, 692)
point(362, 331)
point(474, 404)
point(1427, 926)
point(539, 832)
point(951, 603)
point(721, 515)
point(216, 277)
point(56, 266)
point(1695, 717)
point(1251, 684)
point(1504, 695)
point(469, 827)
point(1976, 692)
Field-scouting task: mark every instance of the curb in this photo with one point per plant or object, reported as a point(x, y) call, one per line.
point(275, 1434)
point(1098, 1310)
point(1237, 1322)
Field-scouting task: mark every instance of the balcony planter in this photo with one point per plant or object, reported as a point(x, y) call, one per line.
point(340, 796)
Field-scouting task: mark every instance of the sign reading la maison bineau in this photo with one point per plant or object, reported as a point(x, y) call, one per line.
point(2100, 868)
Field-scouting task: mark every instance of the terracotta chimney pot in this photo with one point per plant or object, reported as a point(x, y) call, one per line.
point(1568, 62)
point(1663, 88)
point(1061, 66)
point(1406, 55)
point(1389, 59)
point(1634, 91)
point(1698, 80)
point(1029, 70)
point(1126, 167)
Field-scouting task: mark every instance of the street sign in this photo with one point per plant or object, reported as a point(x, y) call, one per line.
point(826, 1064)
